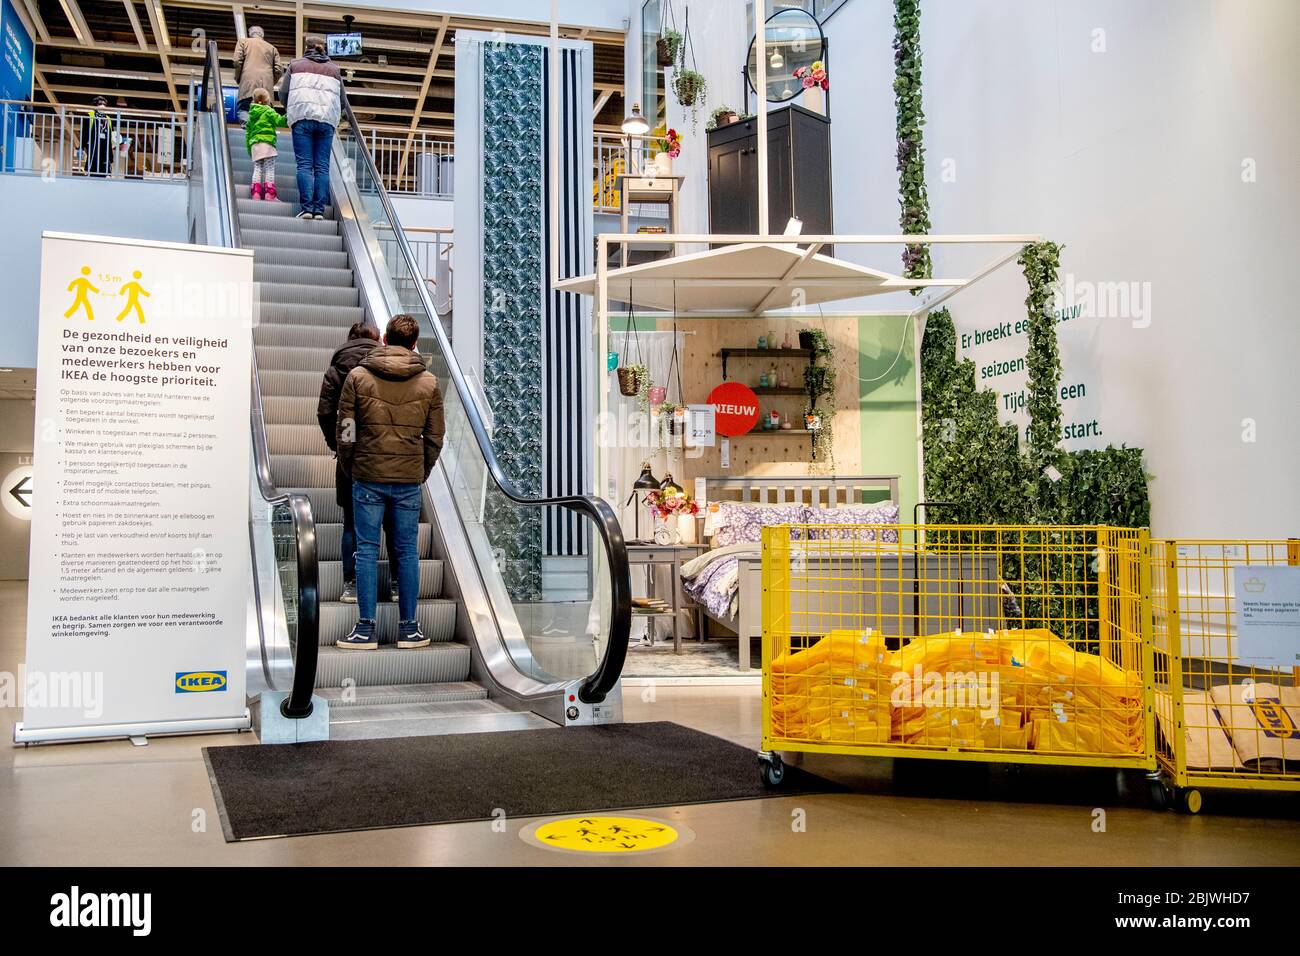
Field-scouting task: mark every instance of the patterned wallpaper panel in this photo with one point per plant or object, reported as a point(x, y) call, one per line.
point(512, 299)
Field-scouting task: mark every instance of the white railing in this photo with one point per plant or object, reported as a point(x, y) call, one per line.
point(613, 160)
point(43, 140)
point(432, 248)
point(413, 164)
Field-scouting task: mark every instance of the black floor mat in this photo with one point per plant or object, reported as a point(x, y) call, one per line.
point(333, 786)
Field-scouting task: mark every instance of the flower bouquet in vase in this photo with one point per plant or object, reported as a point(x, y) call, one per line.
point(667, 146)
point(816, 81)
point(677, 510)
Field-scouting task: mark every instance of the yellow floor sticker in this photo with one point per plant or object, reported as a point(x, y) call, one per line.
point(605, 834)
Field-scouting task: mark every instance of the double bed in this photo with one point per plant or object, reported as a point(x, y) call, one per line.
point(726, 581)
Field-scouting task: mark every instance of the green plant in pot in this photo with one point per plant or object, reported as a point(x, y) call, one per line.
point(668, 415)
point(668, 46)
point(819, 342)
point(690, 88)
point(722, 116)
point(635, 380)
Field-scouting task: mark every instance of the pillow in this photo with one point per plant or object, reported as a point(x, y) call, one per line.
point(738, 523)
point(854, 515)
point(715, 517)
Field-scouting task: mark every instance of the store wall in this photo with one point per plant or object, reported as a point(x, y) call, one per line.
point(17, 436)
point(1151, 140)
point(718, 45)
point(131, 210)
point(417, 213)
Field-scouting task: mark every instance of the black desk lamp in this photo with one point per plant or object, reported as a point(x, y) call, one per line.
point(646, 481)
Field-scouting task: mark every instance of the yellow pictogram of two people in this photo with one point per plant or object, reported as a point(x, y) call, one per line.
point(82, 285)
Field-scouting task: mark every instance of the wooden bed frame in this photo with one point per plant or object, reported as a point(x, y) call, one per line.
point(829, 492)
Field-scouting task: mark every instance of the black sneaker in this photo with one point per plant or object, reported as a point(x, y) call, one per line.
point(409, 636)
point(349, 595)
point(362, 637)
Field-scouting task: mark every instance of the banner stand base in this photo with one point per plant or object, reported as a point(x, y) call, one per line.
point(68, 735)
point(274, 728)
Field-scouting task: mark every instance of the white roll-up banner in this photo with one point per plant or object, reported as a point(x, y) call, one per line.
point(139, 577)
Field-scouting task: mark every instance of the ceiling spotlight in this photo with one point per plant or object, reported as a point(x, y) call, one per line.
point(635, 124)
point(777, 60)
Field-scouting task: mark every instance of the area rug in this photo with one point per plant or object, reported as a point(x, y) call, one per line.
point(333, 786)
point(708, 659)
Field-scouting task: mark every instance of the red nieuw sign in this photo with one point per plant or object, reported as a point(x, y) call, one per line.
point(735, 408)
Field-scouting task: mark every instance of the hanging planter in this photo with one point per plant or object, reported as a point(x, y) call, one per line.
point(689, 85)
point(629, 379)
point(819, 382)
point(668, 46)
point(634, 377)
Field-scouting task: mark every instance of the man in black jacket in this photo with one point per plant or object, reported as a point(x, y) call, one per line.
point(361, 339)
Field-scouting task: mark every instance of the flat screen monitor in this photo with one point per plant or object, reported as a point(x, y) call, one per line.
point(343, 44)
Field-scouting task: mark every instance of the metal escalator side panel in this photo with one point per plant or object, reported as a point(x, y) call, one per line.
point(502, 656)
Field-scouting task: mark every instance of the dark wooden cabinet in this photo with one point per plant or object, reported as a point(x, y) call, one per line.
point(798, 174)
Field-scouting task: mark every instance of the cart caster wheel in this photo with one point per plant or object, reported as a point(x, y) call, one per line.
point(1189, 801)
point(772, 769)
point(1121, 784)
point(1161, 798)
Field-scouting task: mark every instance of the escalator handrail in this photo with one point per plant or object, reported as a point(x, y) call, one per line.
point(298, 704)
point(598, 684)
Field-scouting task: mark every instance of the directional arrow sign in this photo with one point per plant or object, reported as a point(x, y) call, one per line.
point(22, 492)
point(16, 492)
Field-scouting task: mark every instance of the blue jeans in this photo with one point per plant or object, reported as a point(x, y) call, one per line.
point(349, 542)
point(311, 151)
point(370, 499)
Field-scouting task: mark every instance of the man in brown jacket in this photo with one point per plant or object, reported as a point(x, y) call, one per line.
point(390, 431)
point(257, 64)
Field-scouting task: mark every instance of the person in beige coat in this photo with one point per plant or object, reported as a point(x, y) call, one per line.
point(257, 64)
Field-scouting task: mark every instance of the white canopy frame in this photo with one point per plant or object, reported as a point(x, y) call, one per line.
point(872, 281)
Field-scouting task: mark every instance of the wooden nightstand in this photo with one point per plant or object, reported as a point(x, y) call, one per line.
point(650, 556)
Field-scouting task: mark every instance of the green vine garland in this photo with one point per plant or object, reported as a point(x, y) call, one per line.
point(913, 201)
point(1041, 260)
point(819, 380)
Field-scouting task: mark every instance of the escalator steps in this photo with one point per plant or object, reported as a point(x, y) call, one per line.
point(307, 300)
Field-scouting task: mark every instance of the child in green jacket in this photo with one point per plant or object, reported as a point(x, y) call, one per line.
point(259, 136)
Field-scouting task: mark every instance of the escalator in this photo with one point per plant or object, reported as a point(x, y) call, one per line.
point(501, 656)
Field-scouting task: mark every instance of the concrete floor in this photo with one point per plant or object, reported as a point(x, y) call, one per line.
point(112, 803)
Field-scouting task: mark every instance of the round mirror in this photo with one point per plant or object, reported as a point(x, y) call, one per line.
point(794, 39)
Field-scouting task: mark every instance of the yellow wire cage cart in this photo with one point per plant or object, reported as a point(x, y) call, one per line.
point(1227, 702)
point(1008, 644)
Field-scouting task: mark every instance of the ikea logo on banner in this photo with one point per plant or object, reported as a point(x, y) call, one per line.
point(200, 682)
